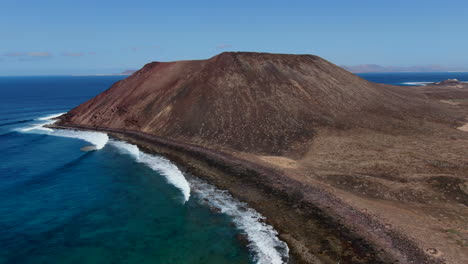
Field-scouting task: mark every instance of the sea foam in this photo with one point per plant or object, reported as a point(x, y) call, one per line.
point(36, 127)
point(46, 120)
point(263, 239)
point(170, 171)
point(98, 139)
point(421, 83)
point(417, 83)
point(48, 117)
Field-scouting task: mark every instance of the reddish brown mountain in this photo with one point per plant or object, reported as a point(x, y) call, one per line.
point(316, 149)
point(257, 102)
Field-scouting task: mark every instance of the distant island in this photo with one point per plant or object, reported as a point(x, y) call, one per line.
point(347, 170)
point(126, 72)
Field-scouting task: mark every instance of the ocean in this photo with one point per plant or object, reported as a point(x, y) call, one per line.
point(117, 204)
point(413, 78)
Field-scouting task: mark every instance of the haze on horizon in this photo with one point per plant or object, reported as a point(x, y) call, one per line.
point(90, 37)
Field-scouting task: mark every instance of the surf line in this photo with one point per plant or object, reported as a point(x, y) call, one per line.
point(157, 163)
point(99, 139)
point(262, 238)
point(263, 241)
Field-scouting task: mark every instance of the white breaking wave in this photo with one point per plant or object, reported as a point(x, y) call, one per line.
point(98, 139)
point(420, 83)
point(39, 126)
point(47, 121)
point(36, 127)
point(48, 117)
point(170, 171)
point(126, 148)
point(417, 83)
point(263, 238)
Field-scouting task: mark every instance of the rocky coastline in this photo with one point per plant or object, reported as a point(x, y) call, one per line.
point(318, 227)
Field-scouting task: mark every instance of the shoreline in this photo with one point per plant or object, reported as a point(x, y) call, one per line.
point(317, 226)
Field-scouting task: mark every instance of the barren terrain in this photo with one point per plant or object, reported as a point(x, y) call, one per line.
point(347, 170)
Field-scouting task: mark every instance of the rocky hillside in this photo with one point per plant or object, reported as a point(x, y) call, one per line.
point(254, 102)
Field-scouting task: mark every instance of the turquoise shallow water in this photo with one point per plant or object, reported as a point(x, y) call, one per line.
point(66, 206)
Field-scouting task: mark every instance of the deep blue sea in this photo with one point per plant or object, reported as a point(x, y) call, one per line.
point(413, 78)
point(117, 204)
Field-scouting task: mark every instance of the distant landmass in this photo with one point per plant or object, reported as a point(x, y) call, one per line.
point(423, 68)
point(126, 72)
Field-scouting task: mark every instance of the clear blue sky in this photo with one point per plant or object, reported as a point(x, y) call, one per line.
point(86, 37)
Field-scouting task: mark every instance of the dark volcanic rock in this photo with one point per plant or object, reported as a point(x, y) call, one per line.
point(88, 148)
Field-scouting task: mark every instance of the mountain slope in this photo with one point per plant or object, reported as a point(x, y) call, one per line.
point(256, 102)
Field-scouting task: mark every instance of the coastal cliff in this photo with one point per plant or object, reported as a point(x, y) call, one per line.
point(352, 163)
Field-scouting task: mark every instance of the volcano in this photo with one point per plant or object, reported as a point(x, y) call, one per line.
point(256, 102)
